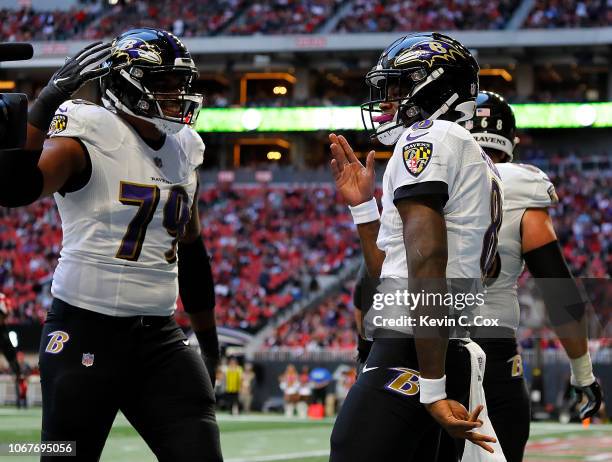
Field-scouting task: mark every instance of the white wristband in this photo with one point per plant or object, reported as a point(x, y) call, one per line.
point(432, 390)
point(366, 212)
point(582, 371)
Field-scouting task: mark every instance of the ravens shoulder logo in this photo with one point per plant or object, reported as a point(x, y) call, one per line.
point(58, 124)
point(417, 156)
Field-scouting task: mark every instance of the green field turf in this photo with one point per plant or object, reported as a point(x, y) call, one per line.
point(266, 438)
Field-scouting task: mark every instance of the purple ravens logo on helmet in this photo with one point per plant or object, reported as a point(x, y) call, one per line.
point(134, 49)
point(429, 51)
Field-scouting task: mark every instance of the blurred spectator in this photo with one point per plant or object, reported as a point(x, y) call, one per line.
point(246, 390)
point(345, 376)
point(290, 385)
point(233, 385)
point(305, 392)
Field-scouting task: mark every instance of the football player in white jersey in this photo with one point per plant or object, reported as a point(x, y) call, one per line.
point(526, 236)
point(441, 211)
point(125, 180)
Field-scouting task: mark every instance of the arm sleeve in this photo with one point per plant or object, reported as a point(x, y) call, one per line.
point(553, 278)
point(196, 285)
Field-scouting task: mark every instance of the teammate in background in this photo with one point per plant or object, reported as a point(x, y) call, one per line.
point(526, 236)
point(125, 180)
point(439, 192)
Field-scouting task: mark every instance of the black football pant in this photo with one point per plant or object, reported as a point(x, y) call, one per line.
point(507, 399)
point(382, 418)
point(92, 366)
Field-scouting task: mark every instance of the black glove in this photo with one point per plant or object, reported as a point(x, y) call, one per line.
point(593, 395)
point(67, 80)
point(209, 348)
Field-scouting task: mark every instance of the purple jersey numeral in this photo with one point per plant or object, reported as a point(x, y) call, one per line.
point(490, 240)
point(176, 217)
point(146, 198)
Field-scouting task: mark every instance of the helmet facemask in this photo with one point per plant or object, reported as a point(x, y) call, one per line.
point(405, 88)
point(160, 95)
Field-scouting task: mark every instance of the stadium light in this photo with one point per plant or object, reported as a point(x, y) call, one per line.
point(306, 119)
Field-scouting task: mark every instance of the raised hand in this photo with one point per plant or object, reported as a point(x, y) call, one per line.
point(86, 65)
point(81, 68)
point(355, 182)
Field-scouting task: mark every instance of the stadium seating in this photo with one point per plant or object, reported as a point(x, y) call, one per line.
point(421, 15)
point(266, 244)
point(194, 18)
point(329, 326)
point(569, 13)
point(273, 17)
point(28, 24)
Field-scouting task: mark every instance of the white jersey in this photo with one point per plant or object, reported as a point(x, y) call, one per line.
point(440, 157)
point(120, 229)
point(525, 186)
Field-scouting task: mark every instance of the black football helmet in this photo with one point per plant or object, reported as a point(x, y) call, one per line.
point(429, 75)
point(151, 73)
point(494, 125)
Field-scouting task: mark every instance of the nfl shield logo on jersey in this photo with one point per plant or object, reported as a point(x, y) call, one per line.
point(88, 359)
point(416, 157)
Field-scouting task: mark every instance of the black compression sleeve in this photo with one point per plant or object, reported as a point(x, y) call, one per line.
point(21, 181)
point(195, 278)
point(563, 300)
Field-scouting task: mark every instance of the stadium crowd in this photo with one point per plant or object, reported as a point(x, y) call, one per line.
point(273, 17)
point(190, 18)
point(27, 24)
point(569, 13)
point(421, 15)
point(193, 18)
point(329, 326)
point(267, 246)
